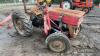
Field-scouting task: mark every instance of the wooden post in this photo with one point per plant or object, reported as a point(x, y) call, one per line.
point(24, 3)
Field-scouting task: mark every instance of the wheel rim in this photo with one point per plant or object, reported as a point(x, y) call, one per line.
point(57, 45)
point(19, 26)
point(66, 5)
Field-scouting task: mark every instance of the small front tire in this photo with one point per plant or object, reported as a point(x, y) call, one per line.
point(58, 42)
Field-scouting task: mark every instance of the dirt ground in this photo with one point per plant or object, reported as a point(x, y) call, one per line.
point(86, 44)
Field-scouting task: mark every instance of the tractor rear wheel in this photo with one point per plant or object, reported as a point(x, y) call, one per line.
point(58, 42)
point(22, 23)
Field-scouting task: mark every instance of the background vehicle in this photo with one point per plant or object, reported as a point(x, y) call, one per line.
point(85, 5)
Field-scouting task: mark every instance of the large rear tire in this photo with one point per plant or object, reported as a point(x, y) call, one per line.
point(22, 23)
point(58, 42)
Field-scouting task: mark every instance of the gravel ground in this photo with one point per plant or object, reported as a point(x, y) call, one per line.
point(86, 44)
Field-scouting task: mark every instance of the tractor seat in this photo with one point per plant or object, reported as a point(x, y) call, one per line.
point(36, 10)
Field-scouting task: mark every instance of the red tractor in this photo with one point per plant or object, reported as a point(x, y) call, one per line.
point(59, 25)
point(86, 5)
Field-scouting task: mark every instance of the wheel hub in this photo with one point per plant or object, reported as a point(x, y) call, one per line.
point(57, 46)
point(66, 5)
point(20, 26)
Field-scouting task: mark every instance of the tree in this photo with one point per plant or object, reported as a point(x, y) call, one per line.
point(96, 2)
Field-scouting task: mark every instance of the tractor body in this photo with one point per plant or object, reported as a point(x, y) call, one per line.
point(59, 25)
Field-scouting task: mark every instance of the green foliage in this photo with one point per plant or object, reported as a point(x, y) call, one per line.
point(6, 1)
point(96, 2)
point(56, 1)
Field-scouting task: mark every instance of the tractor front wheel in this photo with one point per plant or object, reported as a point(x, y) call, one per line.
point(58, 42)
